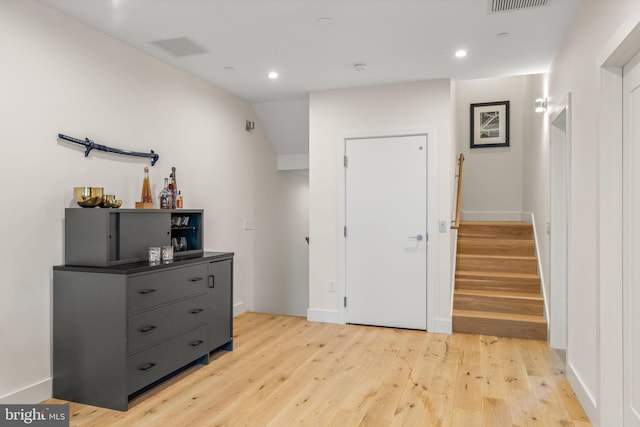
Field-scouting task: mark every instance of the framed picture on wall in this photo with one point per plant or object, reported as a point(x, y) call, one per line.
point(490, 124)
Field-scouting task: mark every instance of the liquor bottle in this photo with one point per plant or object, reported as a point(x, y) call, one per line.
point(146, 188)
point(179, 201)
point(175, 180)
point(171, 199)
point(172, 190)
point(165, 195)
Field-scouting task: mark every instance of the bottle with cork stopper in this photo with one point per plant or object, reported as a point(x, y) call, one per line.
point(146, 199)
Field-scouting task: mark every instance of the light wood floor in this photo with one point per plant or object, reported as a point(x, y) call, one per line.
point(285, 371)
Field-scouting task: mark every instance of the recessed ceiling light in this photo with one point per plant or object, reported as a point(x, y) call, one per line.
point(461, 53)
point(502, 35)
point(325, 22)
point(272, 75)
point(229, 69)
point(360, 67)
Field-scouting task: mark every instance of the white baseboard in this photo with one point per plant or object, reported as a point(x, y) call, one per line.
point(442, 326)
point(494, 216)
point(32, 394)
point(325, 316)
point(239, 308)
point(586, 399)
point(527, 217)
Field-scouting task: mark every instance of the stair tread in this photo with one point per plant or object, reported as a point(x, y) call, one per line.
point(489, 274)
point(499, 294)
point(500, 316)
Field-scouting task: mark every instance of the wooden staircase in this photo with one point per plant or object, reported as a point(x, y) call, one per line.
point(497, 287)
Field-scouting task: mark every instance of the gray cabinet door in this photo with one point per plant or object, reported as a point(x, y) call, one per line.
point(220, 303)
point(139, 231)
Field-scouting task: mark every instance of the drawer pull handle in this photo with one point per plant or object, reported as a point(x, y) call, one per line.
point(146, 366)
point(197, 310)
point(147, 328)
point(212, 281)
point(196, 343)
point(196, 279)
point(146, 291)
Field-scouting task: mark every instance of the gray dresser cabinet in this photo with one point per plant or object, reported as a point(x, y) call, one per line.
point(120, 329)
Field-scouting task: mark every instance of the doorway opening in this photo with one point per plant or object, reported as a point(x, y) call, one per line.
point(560, 161)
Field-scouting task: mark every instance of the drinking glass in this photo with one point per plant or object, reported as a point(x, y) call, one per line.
point(154, 254)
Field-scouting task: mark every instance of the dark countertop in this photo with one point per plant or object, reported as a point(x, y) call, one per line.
point(144, 266)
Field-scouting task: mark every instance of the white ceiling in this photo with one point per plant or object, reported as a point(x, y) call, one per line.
point(398, 40)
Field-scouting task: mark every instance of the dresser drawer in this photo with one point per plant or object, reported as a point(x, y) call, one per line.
point(158, 324)
point(152, 289)
point(149, 365)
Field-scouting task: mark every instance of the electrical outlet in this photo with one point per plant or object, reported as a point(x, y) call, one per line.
point(332, 285)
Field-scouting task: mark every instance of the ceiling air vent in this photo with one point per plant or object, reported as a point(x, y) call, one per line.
point(511, 5)
point(181, 46)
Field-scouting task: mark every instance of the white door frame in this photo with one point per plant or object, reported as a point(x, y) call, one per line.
point(631, 81)
point(560, 271)
point(432, 211)
point(618, 51)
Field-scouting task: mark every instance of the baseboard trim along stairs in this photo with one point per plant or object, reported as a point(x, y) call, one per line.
point(497, 286)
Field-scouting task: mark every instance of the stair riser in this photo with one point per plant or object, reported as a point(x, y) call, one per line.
point(508, 265)
point(496, 231)
point(488, 277)
point(503, 328)
point(497, 285)
point(488, 247)
point(500, 305)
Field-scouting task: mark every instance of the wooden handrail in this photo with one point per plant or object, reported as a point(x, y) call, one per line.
point(456, 223)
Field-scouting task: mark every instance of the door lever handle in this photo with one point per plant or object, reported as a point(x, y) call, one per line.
point(418, 237)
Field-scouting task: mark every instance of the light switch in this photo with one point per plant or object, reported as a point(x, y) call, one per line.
point(443, 226)
point(247, 224)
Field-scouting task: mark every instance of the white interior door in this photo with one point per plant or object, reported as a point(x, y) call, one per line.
point(386, 231)
point(631, 241)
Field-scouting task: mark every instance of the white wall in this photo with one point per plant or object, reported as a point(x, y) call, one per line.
point(413, 105)
point(61, 76)
point(492, 177)
point(575, 70)
point(535, 168)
